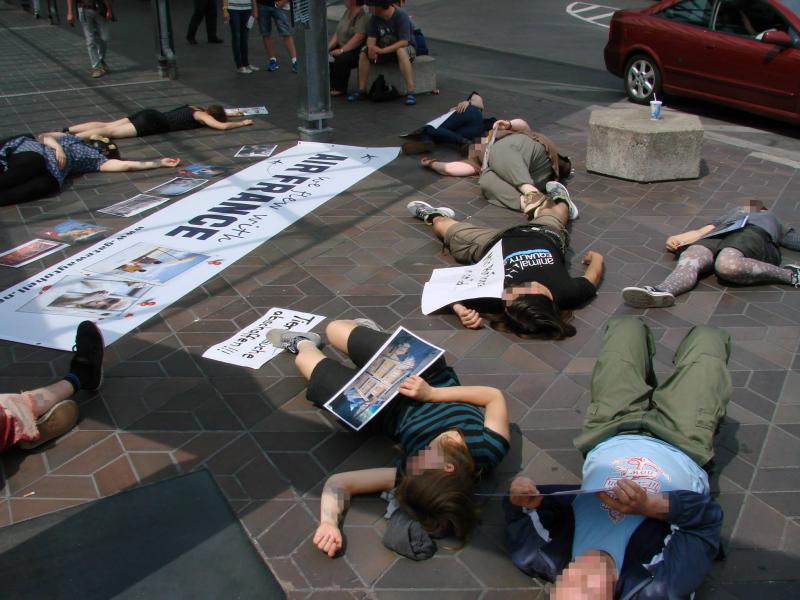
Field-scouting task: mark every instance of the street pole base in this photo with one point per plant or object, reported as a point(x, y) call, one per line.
point(315, 134)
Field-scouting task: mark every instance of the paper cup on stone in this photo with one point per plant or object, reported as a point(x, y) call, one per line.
point(655, 109)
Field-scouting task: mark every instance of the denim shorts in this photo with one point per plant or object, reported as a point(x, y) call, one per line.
point(265, 16)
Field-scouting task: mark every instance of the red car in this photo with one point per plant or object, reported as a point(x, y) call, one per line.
point(743, 53)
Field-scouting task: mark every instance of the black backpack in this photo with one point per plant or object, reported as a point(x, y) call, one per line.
point(380, 91)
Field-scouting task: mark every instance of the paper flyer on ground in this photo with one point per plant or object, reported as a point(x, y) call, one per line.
point(204, 170)
point(132, 275)
point(437, 122)
point(133, 206)
point(73, 232)
point(29, 252)
point(365, 395)
point(727, 227)
point(177, 186)
point(246, 111)
point(250, 348)
point(255, 150)
point(484, 279)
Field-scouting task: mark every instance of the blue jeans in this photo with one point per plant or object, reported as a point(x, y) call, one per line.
point(239, 34)
point(457, 129)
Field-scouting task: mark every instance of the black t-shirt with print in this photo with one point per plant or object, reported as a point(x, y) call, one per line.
point(532, 256)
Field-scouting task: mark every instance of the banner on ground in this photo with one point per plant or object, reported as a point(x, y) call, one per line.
point(250, 347)
point(129, 277)
point(484, 279)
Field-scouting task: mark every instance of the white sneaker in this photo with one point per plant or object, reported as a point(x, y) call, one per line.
point(647, 297)
point(244, 70)
point(253, 69)
point(557, 192)
point(368, 323)
point(286, 339)
point(425, 212)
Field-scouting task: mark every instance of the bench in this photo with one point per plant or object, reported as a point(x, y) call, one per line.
point(627, 143)
point(424, 68)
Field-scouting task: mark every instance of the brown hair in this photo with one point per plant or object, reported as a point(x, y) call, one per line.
point(535, 316)
point(217, 111)
point(443, 502)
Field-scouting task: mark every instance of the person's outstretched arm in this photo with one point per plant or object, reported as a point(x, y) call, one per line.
point(594, 267)
point(687, 238)
point(336, 496)
point(209, 121)
point(118, 166)
point(491, 399)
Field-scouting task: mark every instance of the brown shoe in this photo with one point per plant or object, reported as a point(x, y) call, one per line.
point(418, 147)
point(54, 423)
point(531, 201)
point(97, 72)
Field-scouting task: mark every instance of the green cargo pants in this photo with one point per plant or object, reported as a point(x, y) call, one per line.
point(514, 160)
point(684, 412)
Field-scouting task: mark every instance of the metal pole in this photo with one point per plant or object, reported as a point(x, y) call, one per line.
point(314, 100)
point(165, 46)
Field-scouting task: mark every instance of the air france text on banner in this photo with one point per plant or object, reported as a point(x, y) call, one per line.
point(484, 279)
point(131, 276)
point(250, 348)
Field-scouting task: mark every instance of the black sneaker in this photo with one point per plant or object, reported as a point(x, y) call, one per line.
point(286, 339)
point(87, 363)
point(795, 269)
point(425, 212)
point(647, 297)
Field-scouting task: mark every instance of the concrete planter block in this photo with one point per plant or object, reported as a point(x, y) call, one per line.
point(628, 144)
point(424, 75)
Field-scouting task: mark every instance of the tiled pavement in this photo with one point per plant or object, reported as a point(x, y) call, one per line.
point(164, 410)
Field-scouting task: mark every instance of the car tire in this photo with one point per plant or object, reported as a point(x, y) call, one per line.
point(642, 79)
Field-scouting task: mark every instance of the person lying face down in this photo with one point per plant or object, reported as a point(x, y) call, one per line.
point(150, 121)
point(449, 434)
point(747, 255)
point(539, 290)
point(653, 529)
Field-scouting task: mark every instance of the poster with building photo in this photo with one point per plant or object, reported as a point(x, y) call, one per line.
point(147, 263)
point(365, 395)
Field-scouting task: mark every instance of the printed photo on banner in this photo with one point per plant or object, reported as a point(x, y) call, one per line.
point(484, 279)
point(204, 170)
point(256, 151)
point(365, 395)
point(73, 232)
point(177, 186)
point(133, 206)
point(250, 347)
point(155, 265)
point(29, 252)
point(246, 111)
point(88, 297)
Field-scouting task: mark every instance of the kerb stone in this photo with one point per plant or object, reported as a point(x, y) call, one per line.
point(628, 144)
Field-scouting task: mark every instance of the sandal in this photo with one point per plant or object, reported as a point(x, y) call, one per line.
point(357, 95)
point(54, 423)
point(410, 100)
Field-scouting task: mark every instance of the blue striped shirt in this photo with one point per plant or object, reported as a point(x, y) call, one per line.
point(414, 425)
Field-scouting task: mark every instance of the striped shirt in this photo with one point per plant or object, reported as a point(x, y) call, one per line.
point(414, 425)
point(240, 4)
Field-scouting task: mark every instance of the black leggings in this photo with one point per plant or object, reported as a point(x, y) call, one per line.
point(340, 69)
point(26, 178)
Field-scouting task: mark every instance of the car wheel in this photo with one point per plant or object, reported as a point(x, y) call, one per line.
point(642, 79)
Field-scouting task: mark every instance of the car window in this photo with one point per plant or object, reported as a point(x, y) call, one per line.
point(748, 18)
point(693, 12)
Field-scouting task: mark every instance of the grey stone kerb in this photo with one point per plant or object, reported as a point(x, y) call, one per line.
point(627, 143)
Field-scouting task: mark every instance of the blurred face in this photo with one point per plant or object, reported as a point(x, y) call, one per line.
point(432, 456)
point(591, 576)
point(532, 287)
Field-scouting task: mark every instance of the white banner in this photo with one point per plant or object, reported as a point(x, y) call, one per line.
point(250, 348)
point(484, 279)
point(129, 277)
